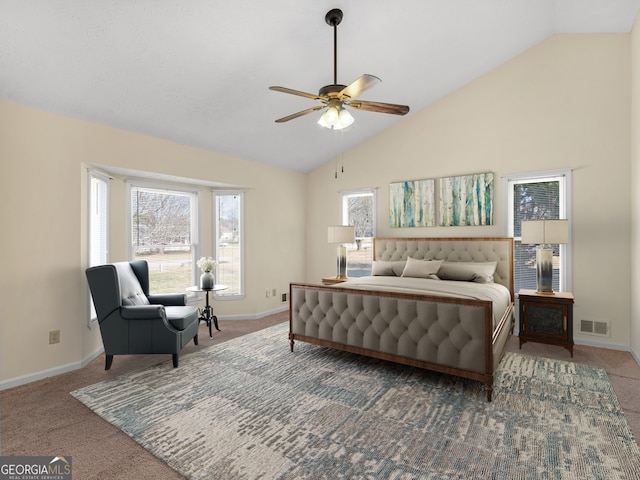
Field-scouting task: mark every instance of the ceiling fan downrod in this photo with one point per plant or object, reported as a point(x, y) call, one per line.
point(333, 19)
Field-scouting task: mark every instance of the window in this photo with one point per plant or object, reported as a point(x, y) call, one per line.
point(358, 209)
point(163, 225)
point(229, 243)
point(98, 222)
point(538, 196)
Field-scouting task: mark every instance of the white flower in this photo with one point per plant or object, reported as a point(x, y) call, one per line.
point(206, 264)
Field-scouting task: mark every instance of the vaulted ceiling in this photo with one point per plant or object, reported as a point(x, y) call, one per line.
point(197, 72)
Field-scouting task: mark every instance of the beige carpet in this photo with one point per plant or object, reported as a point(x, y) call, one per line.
point(41, 418)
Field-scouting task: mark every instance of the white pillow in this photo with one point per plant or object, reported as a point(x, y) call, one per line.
point(389, 269)
point(421, 268)
point(479, 272)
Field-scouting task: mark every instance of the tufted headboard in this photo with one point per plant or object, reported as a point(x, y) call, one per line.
point(469, 249)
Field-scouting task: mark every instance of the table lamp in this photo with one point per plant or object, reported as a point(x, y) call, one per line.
point(341, 234)
point(543, 232)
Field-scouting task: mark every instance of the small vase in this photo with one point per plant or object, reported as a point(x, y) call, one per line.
point(206, 281)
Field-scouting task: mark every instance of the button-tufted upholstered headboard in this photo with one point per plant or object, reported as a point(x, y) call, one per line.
point(469, 249)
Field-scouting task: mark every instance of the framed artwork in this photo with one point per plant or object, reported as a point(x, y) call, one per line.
point(412, 204)
point(466, 200)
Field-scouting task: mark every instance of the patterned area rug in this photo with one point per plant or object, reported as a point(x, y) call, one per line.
point(249, 409)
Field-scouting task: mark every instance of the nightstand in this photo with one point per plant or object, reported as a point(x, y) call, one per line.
point(546, 318)
point(333, 280)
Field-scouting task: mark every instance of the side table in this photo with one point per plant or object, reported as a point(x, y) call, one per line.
point(206, 313)
point(546, 318)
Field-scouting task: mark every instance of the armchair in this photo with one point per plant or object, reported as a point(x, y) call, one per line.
point(132, 321)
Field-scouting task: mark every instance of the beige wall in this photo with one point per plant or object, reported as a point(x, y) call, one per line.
point(42, 247)
point(634, 294)
point(564, 103)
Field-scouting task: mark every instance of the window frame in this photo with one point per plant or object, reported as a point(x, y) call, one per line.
point(223, 295)
point(564, 177)
point(194, 193)
point(100, 177)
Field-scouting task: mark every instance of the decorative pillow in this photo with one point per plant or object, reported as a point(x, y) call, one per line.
point(388, 269)
point(421, 268)
point(479, 272)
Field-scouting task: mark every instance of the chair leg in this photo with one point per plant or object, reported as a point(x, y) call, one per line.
point(195, 339)
point(108, 360)
point(175, 360)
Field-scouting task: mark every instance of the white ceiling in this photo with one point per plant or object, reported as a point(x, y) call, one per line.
point(197, 72)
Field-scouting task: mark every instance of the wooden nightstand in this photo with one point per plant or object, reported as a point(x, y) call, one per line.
point(546, 318)
point(333, 280)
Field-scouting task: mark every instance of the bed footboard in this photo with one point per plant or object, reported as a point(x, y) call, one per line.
point(448, 335)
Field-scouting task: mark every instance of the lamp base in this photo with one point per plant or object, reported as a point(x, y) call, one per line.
point(544, 271)
point(342, 262)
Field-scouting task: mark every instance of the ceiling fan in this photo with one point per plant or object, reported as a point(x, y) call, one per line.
point(335, 97)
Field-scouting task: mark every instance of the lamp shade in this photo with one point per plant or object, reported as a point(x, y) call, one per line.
point(341, 234)
point(545, 231)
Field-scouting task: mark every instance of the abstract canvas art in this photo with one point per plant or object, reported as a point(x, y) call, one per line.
point(412, 203)
point(466, 200)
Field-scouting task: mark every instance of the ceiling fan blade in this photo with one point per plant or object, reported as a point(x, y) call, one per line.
point(297, 92)
point(299, 114)
point(362, 84)
point(380, 107)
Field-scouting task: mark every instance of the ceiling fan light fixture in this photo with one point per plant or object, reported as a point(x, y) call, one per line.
point(336, 117)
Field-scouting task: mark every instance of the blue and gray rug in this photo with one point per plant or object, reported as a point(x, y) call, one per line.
point(251, 409)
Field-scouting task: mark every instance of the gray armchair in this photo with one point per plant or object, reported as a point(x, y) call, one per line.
point(134, 322)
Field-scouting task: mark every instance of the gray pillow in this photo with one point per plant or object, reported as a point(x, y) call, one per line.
point(388, 269)
point(479, 272)
point(421, 268)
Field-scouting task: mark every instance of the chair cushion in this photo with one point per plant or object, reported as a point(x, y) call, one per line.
point(130, 289)
point(181, 317)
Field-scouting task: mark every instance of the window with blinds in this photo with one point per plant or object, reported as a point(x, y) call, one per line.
point(98, 196)
point(538, 196)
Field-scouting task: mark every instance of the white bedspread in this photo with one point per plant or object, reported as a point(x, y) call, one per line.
point(494, 292)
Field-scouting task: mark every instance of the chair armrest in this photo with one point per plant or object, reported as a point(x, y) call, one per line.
point(169, 299)
point(142, 312)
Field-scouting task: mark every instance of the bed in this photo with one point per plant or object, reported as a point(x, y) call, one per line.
point(442, 304)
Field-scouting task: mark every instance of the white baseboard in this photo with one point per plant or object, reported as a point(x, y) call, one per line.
point(636, 356)
point(256, 316)
point(52, 372)
point(600, 344)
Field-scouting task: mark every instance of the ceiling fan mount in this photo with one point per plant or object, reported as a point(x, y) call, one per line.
point(335, 97)
point(331, 90)
point(333, 17)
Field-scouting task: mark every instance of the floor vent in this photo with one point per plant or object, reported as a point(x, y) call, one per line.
point(594, 327)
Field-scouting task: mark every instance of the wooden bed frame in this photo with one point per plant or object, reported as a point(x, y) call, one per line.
point(315, 310)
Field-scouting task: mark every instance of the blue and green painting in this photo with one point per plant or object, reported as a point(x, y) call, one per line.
point(466, 200)
point(412, 204)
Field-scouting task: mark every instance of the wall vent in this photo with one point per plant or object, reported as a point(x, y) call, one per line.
point(593, 327)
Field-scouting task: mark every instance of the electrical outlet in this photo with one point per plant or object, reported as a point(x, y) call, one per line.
point(284, 297)
point(54, 337)
point(273, 292)
point(267, 293)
